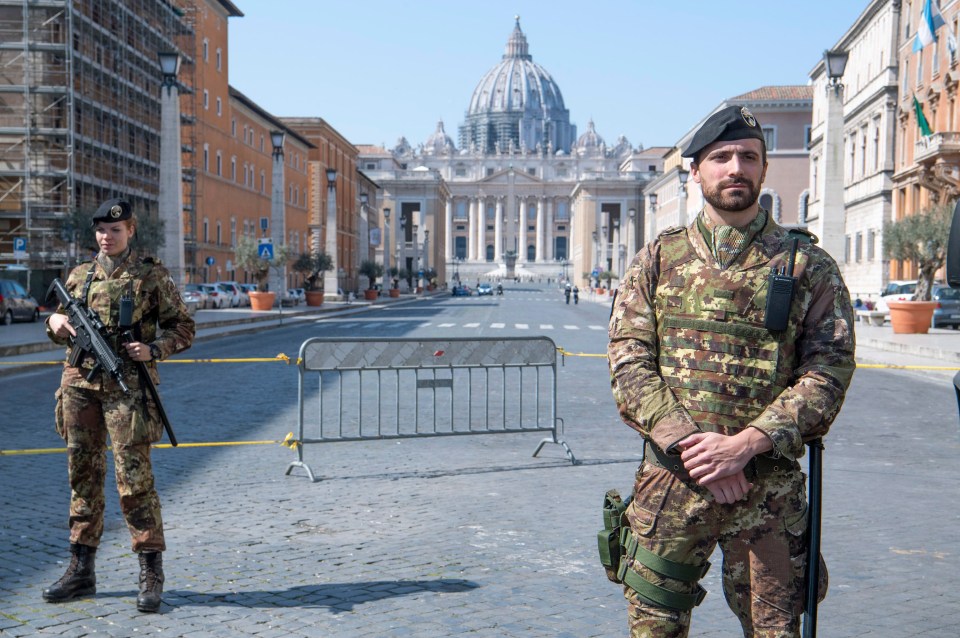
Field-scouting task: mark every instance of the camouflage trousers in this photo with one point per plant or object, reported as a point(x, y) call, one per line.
point(763, 540)
point(84, 418)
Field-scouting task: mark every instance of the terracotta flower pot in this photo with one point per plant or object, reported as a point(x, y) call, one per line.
point(370, 295)
point(394, 292)
point(314, 297)
point(911, 317)
point(262, 300)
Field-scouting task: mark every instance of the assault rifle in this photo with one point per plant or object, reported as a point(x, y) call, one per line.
point(813, 539)
point(125, 324)
point(89, 341)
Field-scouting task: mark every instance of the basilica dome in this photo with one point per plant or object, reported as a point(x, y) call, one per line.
point(517, 106)
point(439, 143)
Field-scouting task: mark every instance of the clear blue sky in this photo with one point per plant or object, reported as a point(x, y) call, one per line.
point(650, 70)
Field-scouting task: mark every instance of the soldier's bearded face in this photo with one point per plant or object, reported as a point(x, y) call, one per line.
point(730, 174)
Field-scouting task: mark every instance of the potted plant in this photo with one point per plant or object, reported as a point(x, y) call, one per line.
point(607, 276)
point(372, 270)
point(312, 267)
point(247, 256)
point(921, 239)
point(430, 275)
point(394, 273)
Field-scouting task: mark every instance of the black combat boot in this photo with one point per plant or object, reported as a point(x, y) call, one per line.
point(151, 581)
point(80, 578)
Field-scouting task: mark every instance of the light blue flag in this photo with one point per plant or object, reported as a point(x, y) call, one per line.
point(930, 21)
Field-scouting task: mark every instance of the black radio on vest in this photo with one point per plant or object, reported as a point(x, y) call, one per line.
point(780, 287)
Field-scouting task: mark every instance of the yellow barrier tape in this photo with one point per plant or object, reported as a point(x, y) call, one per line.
point(288, 441)
point(281, 357)
point(886, 366)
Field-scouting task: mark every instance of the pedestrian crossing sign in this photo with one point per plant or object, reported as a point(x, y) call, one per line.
point(265, 249)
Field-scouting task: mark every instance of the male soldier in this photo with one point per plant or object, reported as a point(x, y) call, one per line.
point(723, 396)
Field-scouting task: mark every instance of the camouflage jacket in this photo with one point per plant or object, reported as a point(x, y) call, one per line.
point(159, 315)
point(689, 352)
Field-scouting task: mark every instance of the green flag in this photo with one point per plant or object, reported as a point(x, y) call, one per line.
point(921, 118)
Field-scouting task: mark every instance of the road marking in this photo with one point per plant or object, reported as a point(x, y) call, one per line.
point(497, 325)
point(446, 325)
point(521, 326)
point(597, 327)
point(372, 325)
point(546, 326)
point(471, 325)
point(569, 327)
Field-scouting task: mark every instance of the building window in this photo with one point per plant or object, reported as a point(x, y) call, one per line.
point(263, 182)
point(806, 136)
point(846, 249)
point(206, 99)
point(206, 230)
point(935, 64)
point(206, 157)
point(233, 168)
point(489, 171)
point(219, 107)
point(906, 74)
point(871, 244)
point(814, 166)
point(233, 127)
point(219, 233)
point(920, 69)
point(863, 151)
point(219, 164)
point(858, 246)
point(206, 50)
point(770, 137)
point(219, 59)
point(371, 166)
point(876, 145)
point(531, 171)
point(460, 172)
point(561, 172)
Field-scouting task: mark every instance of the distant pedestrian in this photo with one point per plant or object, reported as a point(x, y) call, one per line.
point(576, 295)
point(566, 293)
point(91, 407)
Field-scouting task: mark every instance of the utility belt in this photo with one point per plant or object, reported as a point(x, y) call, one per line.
point(760, 465)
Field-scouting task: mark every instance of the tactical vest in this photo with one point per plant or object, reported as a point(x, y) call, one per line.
point(722, 364)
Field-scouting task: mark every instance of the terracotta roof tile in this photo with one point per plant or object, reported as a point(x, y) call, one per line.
point(787, 93)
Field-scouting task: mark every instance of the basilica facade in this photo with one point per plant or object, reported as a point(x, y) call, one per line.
point(520, 193)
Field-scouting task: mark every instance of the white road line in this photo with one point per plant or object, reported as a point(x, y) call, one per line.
point(568, 327)
point(446, 325)
point(546, 326)
point(471, 325)
point(521, 326)
point(497, 325)
point(597, 327)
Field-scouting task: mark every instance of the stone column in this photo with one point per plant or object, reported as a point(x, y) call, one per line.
point(277, 277)
point(540, 229)
point(510, 243)
point(522, 232)
point(482, 229)
point(472, 229)
point(631, 235)
point(549, 230)
point(448, 238)
point(170, 199)
point(331, 279)
point(498, 232)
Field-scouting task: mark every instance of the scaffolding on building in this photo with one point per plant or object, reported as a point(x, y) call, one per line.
point(79, 119)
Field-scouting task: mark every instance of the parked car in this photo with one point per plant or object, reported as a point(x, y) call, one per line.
point(896, 291)
point(484, 289)
point(237, 296)
point(299, 295)
point(248, 288)
point(217, 295)
point(947, 312)
point(462, 291)
point(193, 300)
point(16, 304)
point(204, 302)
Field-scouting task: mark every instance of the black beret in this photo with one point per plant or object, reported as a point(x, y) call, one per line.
point(731, 123)
point(113, 210)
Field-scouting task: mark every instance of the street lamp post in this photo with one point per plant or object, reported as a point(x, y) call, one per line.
point(631, 233)
point(617, 255)
point(330, 278)
point(426, 254)
point(278, 276)
point(170, 198)
point(830, 225)
point(682, 175)
point(416, 256)
point(386, 247)
point(652, 200)
point(596, 258)
point(402, 243)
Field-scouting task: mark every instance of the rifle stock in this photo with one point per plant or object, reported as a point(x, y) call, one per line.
point(813, 539)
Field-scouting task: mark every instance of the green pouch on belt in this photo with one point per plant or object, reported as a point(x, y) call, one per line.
point(608, 539)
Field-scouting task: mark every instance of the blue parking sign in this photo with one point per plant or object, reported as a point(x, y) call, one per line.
point(19, 244)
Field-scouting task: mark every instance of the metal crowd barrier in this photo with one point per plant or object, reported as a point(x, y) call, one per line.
point(371, 388)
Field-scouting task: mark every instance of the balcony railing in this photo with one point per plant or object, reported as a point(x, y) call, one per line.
point(937, 144)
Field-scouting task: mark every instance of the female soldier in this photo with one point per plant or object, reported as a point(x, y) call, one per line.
point(89, 409)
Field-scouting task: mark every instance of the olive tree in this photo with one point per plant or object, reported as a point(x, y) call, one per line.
point(920, 239)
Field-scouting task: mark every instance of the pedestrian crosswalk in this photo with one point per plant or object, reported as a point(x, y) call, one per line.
point(401, 324)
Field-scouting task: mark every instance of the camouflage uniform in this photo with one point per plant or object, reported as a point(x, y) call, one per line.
point(89, 410)
point(689, 352)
